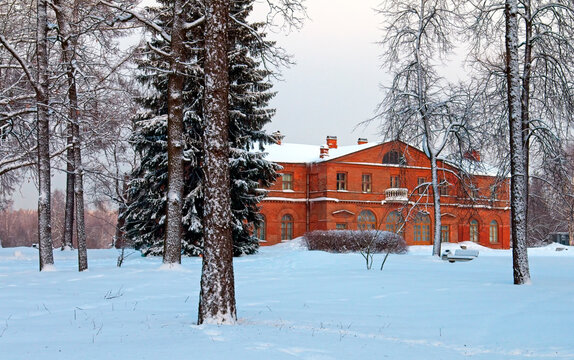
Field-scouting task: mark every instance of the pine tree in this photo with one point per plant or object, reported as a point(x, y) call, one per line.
point(249, 97)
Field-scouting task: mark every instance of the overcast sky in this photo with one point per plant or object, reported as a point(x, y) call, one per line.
point(335, 82)
point(333, 86)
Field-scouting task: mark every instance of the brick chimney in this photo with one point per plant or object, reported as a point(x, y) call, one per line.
point(324, 151)
point(332, 142)
point(278, 137)
point(472, 155)
point(362, 141)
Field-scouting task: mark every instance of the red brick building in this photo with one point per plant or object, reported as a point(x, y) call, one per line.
point(384, 186)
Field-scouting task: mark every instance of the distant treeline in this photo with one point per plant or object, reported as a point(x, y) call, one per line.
point(20, 228)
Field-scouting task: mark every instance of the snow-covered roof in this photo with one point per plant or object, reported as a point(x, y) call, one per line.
point(301, 153)
point(304, 153)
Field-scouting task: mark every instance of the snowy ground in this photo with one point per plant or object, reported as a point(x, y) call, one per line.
point(292, 304)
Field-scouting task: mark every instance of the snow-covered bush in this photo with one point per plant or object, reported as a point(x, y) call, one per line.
point(342, 241)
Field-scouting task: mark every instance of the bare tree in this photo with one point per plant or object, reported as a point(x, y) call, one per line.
point(517, 150)
point(66, 16)
point(418, 105)
point(536, 74)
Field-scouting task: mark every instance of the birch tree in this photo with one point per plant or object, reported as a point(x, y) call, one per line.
point(417, 106)
point(17, 96)
point(67, 17)
point(41, 87)
point(543, 31)
point(517, 149)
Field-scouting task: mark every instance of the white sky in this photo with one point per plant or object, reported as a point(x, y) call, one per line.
point(333, 86)
point(335, 82)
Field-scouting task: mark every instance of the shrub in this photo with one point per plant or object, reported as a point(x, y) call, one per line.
point(343, 241)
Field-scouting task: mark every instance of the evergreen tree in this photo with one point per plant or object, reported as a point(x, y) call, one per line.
point(249, 97)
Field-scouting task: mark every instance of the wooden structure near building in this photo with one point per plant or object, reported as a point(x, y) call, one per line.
point(381, 186)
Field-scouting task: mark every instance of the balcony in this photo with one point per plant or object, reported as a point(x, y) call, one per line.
point(399, 195)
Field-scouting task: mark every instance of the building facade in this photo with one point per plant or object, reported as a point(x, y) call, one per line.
point(381, 186)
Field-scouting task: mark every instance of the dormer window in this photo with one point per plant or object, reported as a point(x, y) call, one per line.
point(394, 157)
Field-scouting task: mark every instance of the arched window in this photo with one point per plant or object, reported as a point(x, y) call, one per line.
point(394, 157)
point(493, 232)
point(260, 229)
point(394, 222)
point(287, 227)
point(422, 228)
point(366, 220)
point(473, 231)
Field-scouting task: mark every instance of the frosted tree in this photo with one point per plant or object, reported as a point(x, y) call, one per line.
point(176, 56)
point(66, 15)
point(517, 149)
point(542, 74)
point(217, 294)
point(17, 96)
point(39, 81)
point(418, 105)
point(248, 112)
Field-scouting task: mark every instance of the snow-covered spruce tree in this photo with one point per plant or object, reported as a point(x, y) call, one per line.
point(249, 96)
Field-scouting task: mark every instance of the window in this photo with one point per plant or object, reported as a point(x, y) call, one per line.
point(341, 181)
point(422, 228)
point(394, 157)
point(287, 227)
point(494, 192)
point(420, 187)
point(366, 220)
point(341, 226)
point(445, 233)
point(443, 189)
point(473, 231)
point(395, 182)
point(394, 222)
point(367, 183)
point(473, 191)
point(288, 181)
point(260, 230)
point(493, 232)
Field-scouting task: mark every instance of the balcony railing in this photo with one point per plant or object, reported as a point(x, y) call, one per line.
point(396, 195)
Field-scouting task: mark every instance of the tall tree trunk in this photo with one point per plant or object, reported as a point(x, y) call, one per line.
point(67, 34)
point(43, 132)
point(217, 297)
point(525, 111)
point(79, 197)
point(68, 234)
point(173, 231)
point(517, 152)
point(436, 249)
point(422, 104)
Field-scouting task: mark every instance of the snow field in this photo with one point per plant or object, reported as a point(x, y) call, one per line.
point(292, 304)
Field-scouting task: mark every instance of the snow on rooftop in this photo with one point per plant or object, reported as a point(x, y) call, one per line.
point(304, 153)
point(301, 153)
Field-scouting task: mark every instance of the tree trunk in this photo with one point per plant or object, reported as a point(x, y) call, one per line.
point(79, 197)
point(69, 210)
point(173, 230)
point(43, 132)
point(436, 249)
point(63, 16)
point(525, 111)
point(517, 150)
point(432, 155)
point(217, 297)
